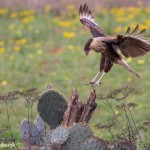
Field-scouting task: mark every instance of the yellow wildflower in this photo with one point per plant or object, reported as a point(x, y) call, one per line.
point(133, 25)
point(11, 26)
point(2, 43)
point(141, 27)
point(128, 17)
point(11, 58)
point(64, 23)
point(30, 55)
point(140, 62)
point(3, 11)
point(21, 41)
point(118, 29)
point(147, 10)
point(39, 52)
point(120, 19)
point(2, 50)
point(47, 8)
point(129, 60)
point(129, 79)
point(4, 82)
point(13, 15)
point(69, 34)
point(26, 13)
point(116, 112)
point(118, 11)
point(28, 19)
point(37, 45)
point(147, 22)
point(71, 47)
point(17, 48)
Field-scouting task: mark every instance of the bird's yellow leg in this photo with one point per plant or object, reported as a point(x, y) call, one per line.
point(94, 79)
point(98, 82)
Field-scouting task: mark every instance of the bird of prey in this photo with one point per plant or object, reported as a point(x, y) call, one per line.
point(131, 44)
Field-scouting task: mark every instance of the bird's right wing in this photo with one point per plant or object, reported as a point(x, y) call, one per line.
point(87, 19)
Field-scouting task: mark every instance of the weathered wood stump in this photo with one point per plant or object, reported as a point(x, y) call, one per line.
point(77, 111)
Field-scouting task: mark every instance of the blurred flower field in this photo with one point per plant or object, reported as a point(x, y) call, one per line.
point(40, 48)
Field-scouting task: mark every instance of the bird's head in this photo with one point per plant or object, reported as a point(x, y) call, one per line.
point(87, 46)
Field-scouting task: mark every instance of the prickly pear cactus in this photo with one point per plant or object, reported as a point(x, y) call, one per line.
point(78, 134)
point(94, 144)
point(48, 138)
point(29, 133)
point(60, 135)
point(126, 145)
point(40, 125)
point(51, 107)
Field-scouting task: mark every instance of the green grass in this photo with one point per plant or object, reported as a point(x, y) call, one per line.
point(48, 57)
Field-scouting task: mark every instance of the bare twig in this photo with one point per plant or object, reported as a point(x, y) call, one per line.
point(8, 117)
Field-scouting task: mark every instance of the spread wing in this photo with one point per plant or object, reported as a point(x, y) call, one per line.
point(87, 19)
point(133, 44)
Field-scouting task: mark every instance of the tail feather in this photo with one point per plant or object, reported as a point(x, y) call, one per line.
point(126, 66)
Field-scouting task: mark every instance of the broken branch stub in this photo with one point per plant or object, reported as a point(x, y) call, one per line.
point(72, 113)
point(89, 108)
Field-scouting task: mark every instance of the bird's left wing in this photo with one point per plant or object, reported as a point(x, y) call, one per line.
point(133, 44)
point(88, 20)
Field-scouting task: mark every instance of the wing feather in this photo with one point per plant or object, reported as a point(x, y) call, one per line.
point(128, 31)
point(135, 30)
point(87, 19)
point(133, 44)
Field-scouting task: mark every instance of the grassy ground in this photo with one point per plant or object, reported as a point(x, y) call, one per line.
point(36, 49)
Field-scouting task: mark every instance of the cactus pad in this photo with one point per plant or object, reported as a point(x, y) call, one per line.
point(29, 133)
point(40, 125)
point(126, 145)
point(60, 135)
point(94, 144)
point(51, 107)
point(48, 138)
point(78, 134)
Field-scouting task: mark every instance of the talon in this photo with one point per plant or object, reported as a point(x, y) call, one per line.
point(92, 82)
point(89, 83)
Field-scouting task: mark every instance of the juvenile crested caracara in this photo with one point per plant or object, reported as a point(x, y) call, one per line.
point(131, 44)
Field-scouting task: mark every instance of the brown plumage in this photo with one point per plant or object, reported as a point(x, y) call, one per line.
point(131, 44)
